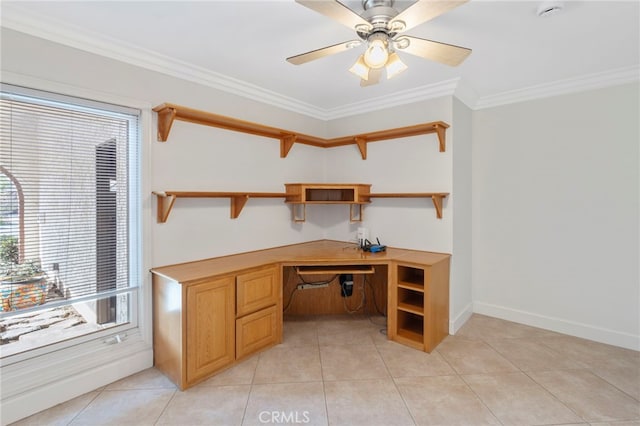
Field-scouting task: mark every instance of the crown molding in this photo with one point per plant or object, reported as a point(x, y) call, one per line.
point(561, 87)
point(416, 94)
point(65, 34)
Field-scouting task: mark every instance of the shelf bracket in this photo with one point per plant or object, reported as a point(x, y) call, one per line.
point(286, 142)
point(440, 130)
point(298, 213)
point(437, 203)
point(165, 120)
point(355, 212)
point(165, 204)
point(362, 146)
point(237, 203)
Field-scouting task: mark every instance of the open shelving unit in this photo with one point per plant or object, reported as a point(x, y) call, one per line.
point(168, 113)
point(410, 305)
point(419, 310)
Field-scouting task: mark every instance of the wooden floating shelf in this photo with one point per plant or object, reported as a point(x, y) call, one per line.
point(166, 199)
point(356, 195)
point(167, 113)
point(436, 197)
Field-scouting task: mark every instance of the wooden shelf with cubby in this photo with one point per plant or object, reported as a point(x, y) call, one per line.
point(168, 113)
point(298, 195)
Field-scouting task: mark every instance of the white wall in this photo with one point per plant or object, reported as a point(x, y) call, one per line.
point(461, 306)
point(555, 213)
point(411, 164)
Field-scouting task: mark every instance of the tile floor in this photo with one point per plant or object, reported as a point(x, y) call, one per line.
point(342, 371)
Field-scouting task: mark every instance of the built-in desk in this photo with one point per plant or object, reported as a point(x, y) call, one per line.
point(209, 314)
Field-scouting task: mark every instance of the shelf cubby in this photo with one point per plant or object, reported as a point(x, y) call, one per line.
point(411, 301)
point(410, 276)
point(411, 327)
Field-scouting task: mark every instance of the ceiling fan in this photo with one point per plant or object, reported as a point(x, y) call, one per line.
point(380, 26)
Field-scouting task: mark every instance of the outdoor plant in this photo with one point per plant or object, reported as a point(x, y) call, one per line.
point(9, 252)
point(11, 269)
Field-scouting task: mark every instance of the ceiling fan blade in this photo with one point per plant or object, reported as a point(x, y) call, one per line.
point(321, 53)
point(336, 11)
point(374, 77)
point(423, 11)
point(447, 54)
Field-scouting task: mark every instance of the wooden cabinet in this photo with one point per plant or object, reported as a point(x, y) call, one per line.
point(211, 313)
point(210, 317)
point(419, 304)
point(203, 326)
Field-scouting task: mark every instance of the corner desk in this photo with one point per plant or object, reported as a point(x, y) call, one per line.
point(209, 314)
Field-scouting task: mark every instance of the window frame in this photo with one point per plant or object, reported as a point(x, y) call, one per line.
point(115, 352)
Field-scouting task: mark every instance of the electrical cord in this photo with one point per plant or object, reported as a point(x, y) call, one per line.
point(373, 293)
point(316, 282)
point(290, 299)
point(363, 300)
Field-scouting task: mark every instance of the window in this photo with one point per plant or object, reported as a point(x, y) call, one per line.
point(70, 208)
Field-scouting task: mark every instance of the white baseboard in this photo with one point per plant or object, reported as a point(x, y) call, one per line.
point(460, 319)
point(40, 398)
point(572, 328)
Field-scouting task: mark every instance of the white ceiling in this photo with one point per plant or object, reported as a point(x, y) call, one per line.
point(242, 45)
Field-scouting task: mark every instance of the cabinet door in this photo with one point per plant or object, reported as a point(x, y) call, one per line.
point(257, 290)
point(256, 331)
point(209, 327)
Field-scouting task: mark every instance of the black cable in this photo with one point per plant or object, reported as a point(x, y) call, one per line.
point(290, 299)
point(373, 294)
point(317, 282)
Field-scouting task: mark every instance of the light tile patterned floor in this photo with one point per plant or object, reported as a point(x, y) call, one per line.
point(341, 370)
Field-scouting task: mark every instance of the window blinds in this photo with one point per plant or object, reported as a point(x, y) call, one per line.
point(70, 190)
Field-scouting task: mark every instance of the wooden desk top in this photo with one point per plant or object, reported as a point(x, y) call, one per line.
point(309, 253)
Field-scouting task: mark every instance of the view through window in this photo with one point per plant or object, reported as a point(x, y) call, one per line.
point(69, 212)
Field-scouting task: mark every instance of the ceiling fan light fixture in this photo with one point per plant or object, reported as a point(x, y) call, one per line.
point(377, 54)
point(360, 68)
point(394, 66)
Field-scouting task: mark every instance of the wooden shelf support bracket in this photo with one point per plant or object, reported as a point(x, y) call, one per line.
point(355, 212)
point(286, 142)
point(237, 203)
point(437, 203)
point(165, 204)
point(165, 120)
point(362, 146)
point(440, 130)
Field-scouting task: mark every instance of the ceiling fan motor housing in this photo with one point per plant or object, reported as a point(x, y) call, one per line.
point(379, 14)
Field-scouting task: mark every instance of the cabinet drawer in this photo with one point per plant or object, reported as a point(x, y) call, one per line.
point(257, 290)
point(256, 331)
